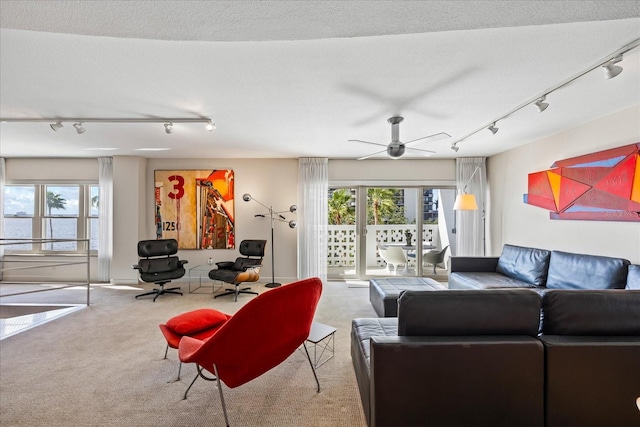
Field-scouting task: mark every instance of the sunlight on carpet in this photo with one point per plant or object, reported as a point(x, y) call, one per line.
point(16, 318)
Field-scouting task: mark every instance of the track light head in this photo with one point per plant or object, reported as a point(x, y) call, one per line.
point(168, 127)
point(541, 104)
point(610, 69)
point(246, 197)
point(493, 128)
point(210, 126)
point(455, 148)
point(79, 128)
point(55, 126)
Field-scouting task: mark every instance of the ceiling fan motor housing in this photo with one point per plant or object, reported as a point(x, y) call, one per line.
point(395, 150)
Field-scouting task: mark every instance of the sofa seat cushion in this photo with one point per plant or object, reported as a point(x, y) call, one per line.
point(578, 271)
point(363, 329)
point(528, 265)
point(481, 280)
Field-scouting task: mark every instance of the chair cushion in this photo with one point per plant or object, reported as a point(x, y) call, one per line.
point(526, 264)
point(195, 321)
point(152, 248)
point(159, 265)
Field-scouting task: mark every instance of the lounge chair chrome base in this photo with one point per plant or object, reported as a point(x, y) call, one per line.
point(160, 291)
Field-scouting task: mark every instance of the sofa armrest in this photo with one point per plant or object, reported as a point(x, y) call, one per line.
point(225, 265)
point(473, 264)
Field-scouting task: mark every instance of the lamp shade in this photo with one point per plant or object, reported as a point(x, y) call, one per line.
point(465, 202)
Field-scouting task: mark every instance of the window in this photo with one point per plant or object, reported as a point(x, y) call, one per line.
point(51, 211)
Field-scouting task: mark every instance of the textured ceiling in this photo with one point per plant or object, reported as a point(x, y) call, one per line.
point(300, 78)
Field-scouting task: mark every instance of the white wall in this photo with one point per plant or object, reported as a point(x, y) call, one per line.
point(129, 215)
point(392, 172)
point(514, 222)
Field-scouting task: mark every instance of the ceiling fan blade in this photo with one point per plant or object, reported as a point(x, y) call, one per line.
point(434, 137)
point(367, 142)
point(371, 155)
point(420, 149)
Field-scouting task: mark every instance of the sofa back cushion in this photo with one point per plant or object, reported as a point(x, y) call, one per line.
point(589, 313)
point(469, 312)
point(633, 277)
point(579, 271)
point(526, 264)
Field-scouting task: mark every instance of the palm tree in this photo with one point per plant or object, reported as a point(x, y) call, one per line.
point(381, 202)
point(340, 210)
point(54, 201)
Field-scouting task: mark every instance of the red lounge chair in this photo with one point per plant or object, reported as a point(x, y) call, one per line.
point(260, 336)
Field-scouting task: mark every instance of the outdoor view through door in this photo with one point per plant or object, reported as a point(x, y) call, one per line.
point(384, 231)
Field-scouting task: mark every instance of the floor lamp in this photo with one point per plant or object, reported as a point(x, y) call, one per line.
point(277, 216)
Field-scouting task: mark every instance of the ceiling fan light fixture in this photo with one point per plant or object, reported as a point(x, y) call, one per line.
point(79, 128)
point(541, 104)
point(57, 125)
point(610, 69)
point(168, 127)
point(493, 128)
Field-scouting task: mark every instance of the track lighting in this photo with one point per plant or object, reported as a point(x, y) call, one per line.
point(607, 63)
point(79, 128)
point(56, 123)
point(610, 69)
point(455, 148)
point(541, 104)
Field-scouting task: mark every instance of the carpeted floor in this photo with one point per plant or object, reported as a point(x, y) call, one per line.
point(103, 366)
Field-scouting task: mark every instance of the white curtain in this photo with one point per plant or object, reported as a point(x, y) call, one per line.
point(313, 188)
point(105, 218)
point(3, 178)
point(471, 172)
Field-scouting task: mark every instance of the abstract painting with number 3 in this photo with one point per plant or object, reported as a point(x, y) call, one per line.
point(602, 186)
point(195, 207)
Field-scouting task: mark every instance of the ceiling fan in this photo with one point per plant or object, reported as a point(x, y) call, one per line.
point(396, 149)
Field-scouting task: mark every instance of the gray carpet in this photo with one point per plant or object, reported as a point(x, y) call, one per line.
point(103, 366)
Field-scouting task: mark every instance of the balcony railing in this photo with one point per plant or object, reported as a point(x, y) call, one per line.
point(342, 242)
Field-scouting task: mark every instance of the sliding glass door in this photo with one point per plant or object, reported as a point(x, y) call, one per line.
point(389, 231)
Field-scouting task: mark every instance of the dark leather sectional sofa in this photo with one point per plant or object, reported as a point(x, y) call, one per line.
point(541, 269)
point(485, 358)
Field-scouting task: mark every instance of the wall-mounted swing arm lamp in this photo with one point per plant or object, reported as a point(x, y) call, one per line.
point(277, 216)
point(466, 201)
point(56, 122)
